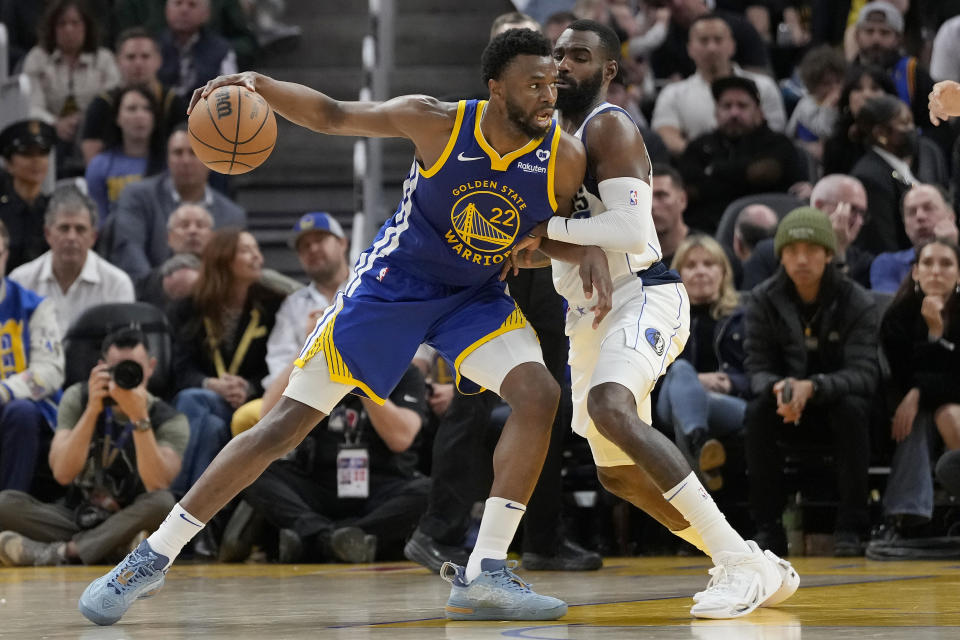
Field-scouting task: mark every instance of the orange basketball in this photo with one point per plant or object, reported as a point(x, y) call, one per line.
point(232, 130)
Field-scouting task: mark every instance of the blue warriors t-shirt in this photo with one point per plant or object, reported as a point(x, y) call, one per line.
point(459, 218)
point(16, 309)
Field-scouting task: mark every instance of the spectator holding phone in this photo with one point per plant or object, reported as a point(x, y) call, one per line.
point(811, 357)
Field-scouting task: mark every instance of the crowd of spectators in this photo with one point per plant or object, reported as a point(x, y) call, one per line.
point(799, 190)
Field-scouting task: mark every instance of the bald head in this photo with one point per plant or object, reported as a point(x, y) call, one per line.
point(835, 188)
point(754, 223)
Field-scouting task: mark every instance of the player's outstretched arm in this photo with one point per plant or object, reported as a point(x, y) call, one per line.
point(418, 118)
point(944, 101)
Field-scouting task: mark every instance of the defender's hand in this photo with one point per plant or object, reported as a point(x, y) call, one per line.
point(531, 241)
point(595, 275)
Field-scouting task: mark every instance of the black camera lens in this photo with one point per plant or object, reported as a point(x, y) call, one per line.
point(128, 374)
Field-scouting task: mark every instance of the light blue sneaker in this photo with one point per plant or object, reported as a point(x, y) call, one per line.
point(496, 594)
point(140, 575)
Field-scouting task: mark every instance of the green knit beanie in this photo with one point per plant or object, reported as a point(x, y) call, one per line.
point(805, 224)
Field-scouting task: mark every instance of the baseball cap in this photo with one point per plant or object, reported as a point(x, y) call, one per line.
point(24, 135)
point(721, 85)
point(889, 14)
point(315, 221)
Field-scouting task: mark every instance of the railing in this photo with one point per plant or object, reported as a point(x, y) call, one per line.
point(377, 58)
point(4, 53)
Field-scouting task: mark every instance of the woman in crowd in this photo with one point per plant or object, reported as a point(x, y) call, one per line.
point(67, 69)
point(702, 393)
point(840, 152)
point(896, 158)
point(920, 335)
point(133, 152)
point(220, 350)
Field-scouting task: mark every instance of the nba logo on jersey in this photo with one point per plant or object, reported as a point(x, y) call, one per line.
point(634, 197)
point(383, 272)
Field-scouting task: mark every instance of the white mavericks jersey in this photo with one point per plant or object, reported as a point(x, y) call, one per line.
point(624, 266)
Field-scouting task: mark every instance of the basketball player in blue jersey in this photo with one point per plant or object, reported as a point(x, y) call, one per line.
point(614, 368)
point(485, 173)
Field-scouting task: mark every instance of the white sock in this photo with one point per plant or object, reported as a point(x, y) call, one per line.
point(690, 535)
point(695, 504)
point(176, 530)
point(499, 523)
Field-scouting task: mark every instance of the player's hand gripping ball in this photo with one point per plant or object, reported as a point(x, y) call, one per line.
point(232, 130)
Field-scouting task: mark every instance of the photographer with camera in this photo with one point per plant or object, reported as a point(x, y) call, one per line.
point(118, 448)
point(811, 355)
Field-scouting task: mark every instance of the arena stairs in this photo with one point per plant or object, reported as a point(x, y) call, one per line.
point(437, 52)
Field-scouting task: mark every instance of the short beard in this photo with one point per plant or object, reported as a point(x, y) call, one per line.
point(324, 273)
point(577, 98)
point(522, 121)
point(882, 58)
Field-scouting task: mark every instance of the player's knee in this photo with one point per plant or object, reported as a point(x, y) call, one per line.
point(612, 409)
point(535, 392)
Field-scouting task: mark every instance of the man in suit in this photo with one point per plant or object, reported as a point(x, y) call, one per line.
point(139, 233)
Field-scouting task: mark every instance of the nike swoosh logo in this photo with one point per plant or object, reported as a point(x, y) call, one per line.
point(409, 398)
point(510, 505)
point(677, 491)
point(464, 158)
point(196, 524)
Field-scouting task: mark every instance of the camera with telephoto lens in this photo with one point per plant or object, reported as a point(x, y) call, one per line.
point(128, 374)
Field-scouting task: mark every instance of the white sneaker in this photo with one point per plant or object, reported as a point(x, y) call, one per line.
point(789, 578)
point(739, 583)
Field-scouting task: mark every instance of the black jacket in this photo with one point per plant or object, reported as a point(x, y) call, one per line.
point(883, 230)
point(192, 356)
point(847, 337)
point(728, 347)
point(717, 170)
point(916, 361)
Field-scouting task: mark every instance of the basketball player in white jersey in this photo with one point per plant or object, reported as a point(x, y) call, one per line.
point(614, 369)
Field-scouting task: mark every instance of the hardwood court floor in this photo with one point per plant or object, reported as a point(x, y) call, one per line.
point(629, 598)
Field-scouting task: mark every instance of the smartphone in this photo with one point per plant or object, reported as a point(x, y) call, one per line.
point(786, 394)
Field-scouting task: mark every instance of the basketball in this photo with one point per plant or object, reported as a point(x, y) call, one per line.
point(232, 130)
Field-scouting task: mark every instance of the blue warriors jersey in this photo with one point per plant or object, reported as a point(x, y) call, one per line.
point(432, 273)
point(459, 218)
